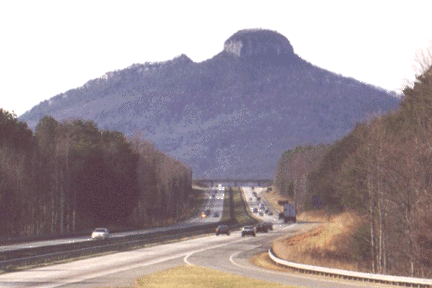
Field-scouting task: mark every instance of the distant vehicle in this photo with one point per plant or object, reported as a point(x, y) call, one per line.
point(262, 206)
point(255, 210)
point(270, 213)
point(266, 211)
point(222, 229)
point(100, 233)
point(261, 227)
point(289, 212)
point(220, 187)
point(216, 214)
point(269, 225)
point(261, 213)
point(207, 212)
point(248, 230)
point(203, 215)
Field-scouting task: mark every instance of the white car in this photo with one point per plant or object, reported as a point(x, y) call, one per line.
point(100, 233)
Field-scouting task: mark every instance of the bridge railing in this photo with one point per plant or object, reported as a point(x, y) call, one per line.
point(234, 181)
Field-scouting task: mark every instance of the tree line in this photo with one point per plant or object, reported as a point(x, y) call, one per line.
point(382, 170)
point(70, 177)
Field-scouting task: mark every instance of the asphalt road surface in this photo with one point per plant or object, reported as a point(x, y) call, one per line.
point(264, 210)
point(224, 253)
point(215, 204)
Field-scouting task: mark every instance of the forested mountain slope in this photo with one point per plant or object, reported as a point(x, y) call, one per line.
point(380, 171)
point(230, 116)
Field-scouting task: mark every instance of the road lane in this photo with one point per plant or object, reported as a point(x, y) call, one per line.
point(227, 254)
point(215, 204)
point(234, 259)
point(256, 202)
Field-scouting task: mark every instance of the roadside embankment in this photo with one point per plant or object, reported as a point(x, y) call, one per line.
point(328, 245)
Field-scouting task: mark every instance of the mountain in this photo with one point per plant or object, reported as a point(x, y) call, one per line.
point(230, 116)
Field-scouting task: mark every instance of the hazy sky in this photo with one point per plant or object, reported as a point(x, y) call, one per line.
point(49, 47)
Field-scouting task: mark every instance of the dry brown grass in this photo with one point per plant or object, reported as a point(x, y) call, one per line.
point(319, 216)
point(192, 276)
point(328, 245)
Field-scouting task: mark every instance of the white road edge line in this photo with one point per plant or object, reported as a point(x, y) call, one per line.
point(185, 259)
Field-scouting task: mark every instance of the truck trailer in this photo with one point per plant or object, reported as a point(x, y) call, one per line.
point(289, 211)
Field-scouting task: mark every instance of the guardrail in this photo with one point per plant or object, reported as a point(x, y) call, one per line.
point(352, 275)
point(11, 260)
point(36, 256)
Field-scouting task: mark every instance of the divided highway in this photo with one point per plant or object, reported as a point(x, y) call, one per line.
point(224, 253)
point(213, 203)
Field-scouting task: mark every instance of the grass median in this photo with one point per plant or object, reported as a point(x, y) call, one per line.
point(192, 276)
point(242, 217)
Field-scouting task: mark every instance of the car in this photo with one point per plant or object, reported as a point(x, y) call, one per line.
point(100, 233)
point(269, 225)
point(222, 229)
point(248, 230)
point(261, 213)
point(216, 214)
point(261, 227)
point(270, 213)
point(207, 212)
point(255, 210)
point(203, 215)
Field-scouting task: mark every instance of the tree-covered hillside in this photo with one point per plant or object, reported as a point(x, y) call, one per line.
point(382, 170)
point(240, 109)
point(70, 177)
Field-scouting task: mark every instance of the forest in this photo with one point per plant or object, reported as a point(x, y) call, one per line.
point(70, 177)
point(381, 170)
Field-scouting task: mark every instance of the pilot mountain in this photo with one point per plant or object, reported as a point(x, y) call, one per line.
point(230, 116)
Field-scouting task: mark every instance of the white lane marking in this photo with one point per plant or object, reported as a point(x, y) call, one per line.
point(100, 274)
point(185, 259)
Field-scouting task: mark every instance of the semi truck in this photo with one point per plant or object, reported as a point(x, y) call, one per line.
point(289, 211)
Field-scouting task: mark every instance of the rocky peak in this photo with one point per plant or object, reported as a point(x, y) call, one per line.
point(259, 42)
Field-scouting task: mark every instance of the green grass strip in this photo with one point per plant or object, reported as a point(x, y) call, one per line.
point(240, 210)
point(226, 207)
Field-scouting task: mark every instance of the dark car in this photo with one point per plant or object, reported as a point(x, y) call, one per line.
point(216, 214)
point(222, 229)
point(261, 227)
point(269, 225)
